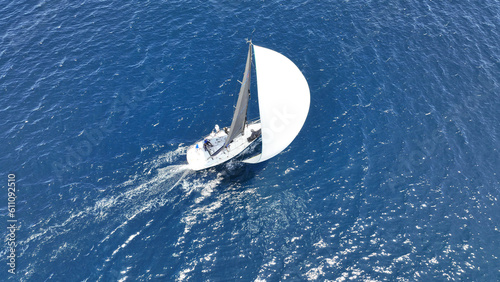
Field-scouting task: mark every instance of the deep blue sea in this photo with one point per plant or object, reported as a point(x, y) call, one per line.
point(394, 176)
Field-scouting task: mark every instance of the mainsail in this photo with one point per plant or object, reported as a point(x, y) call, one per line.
point(240, 113)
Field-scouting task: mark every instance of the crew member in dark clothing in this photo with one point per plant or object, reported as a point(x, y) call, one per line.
point(254, 135)
point(207, 145)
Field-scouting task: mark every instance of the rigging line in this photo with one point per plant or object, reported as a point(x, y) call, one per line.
point(178, 181)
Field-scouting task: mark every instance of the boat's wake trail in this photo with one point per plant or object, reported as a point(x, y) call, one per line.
point(109, 213)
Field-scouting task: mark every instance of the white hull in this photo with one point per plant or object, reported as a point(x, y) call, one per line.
point(199, 158)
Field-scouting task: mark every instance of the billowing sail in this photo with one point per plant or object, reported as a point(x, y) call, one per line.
point(240, 113)
point(284, 101)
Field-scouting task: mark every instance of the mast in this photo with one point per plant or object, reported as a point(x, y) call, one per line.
point(240, 113)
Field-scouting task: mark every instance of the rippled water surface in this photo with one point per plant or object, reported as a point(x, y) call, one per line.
point(393, 177)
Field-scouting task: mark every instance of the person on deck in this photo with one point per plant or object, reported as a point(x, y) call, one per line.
point(206, 145)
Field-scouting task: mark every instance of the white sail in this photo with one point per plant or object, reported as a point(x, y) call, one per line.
point(283, 101)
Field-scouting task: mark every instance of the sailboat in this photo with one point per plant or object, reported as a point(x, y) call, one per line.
point(283, 98)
